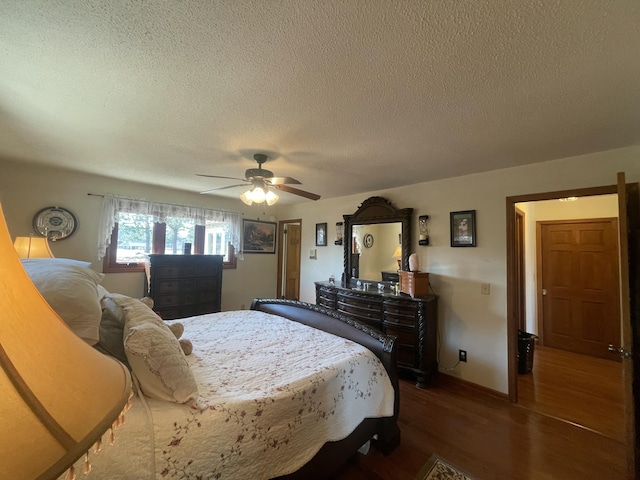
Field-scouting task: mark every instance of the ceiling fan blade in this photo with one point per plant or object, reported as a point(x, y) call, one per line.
point(223, 188)
point(218, 176)
point(282, 181)
point(295, 191)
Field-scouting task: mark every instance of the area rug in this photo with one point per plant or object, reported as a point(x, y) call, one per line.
point(438, 468)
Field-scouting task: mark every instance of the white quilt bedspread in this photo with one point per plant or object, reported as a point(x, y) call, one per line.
point(272, 392)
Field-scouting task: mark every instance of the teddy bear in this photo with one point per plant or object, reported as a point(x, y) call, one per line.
point(178, 329)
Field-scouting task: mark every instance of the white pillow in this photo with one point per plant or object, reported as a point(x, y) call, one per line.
point(156, 357)
point(102, 292)
point(71, 289)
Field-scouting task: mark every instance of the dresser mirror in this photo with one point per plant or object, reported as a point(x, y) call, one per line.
point(375, 237)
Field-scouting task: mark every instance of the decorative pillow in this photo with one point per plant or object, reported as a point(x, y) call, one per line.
point(112, 325)
point(156, 358)
point(71, 289)
point(111, 334)
point(115, 303)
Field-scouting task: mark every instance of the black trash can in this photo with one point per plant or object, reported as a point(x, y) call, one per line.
point(526, 343)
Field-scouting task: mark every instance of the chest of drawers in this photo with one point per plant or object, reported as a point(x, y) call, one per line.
point(412, 320)
point(185, 285)
point(390, 276)
point(360, 306)
point(415, 284)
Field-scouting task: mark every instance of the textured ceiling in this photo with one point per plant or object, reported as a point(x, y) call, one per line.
point(347, 96)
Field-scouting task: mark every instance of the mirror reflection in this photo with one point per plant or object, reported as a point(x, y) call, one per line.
point(372, 237)
point(376, 250)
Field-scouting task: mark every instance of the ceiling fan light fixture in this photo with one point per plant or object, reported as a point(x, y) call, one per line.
point(259, 194)
point(246, 197)
point(262, 181)
point(271, 198)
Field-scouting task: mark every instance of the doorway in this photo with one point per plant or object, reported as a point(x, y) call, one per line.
point(289, 248)
point(575, 315)
point(628, 201)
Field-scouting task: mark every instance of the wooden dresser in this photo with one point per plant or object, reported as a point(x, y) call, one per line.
point(413, 320)
point(185, 285)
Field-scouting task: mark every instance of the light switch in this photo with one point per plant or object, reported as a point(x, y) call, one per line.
point(312, 253)
point(485, 288)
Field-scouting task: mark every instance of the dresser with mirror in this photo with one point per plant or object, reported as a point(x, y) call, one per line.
point(377, 243)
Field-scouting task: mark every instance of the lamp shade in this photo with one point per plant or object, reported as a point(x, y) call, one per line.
point(259, 194)
point(32, 247)
point(59, 395)
point(271, 198)
point(246, 197)
point(397, 254)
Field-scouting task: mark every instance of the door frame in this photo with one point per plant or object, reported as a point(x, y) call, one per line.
point(512, 270)
point(281, 246)
point(520, 274)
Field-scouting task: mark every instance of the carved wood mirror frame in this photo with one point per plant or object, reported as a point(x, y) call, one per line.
point(376, 210)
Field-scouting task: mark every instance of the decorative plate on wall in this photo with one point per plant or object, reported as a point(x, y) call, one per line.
point(55, 223)
point(368, 240)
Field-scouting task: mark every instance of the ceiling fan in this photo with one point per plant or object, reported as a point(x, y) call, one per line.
point(260, 181)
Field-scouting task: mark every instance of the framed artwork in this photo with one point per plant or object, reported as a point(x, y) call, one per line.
point(463, 228)
point(321, 234)
point(258, 237)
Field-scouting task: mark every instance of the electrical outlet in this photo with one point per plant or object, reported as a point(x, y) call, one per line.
point(462, 355)
point(485, 288)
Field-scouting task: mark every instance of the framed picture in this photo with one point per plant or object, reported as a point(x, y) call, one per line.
point(258, 237)
point(463, 229)
point(321, 234)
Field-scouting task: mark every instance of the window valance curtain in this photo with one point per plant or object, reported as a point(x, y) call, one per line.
point(113, 205)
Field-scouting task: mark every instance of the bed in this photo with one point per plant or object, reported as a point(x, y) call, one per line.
point(283, 390)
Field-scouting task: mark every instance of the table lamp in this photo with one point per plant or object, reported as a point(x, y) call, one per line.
point(59, 395)
point(32, 247)
point(397, 254)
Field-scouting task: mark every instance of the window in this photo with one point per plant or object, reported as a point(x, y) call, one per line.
point(135, 236)
point(178, 233)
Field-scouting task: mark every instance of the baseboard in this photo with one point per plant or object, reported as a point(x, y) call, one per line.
point(446, 379)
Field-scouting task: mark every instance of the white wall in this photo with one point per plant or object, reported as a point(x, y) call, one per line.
point(467, 320)
point(26, 188)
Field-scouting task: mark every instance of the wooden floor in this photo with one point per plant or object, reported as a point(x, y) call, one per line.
point(581, 389)
point(492, 439)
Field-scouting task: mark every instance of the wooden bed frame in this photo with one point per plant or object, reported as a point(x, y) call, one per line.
point(385, 430)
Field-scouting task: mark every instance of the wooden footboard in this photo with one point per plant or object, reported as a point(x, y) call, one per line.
point(334, 454)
